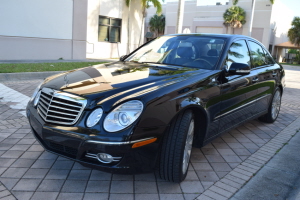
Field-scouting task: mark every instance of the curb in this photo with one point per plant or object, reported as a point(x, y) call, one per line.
point(26, 75)
point(226, 187)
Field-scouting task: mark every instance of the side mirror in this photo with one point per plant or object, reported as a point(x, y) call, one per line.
point(122, 57)
point(239, 69)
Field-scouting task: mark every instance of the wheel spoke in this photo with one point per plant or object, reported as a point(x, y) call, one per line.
point(276, 104)
point(188, 147)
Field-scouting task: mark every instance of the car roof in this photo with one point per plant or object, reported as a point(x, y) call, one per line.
point(231, 36)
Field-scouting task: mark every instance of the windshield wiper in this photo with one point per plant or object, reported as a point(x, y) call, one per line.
point(151, 62)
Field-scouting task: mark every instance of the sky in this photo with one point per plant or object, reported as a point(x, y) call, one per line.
point(294, 5)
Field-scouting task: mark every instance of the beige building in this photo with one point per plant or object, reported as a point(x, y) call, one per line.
point(107, 28)
point(68, 29)
point(270, 23)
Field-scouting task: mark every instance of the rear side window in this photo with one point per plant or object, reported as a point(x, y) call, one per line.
point(269, 59)
point(258, 55)
point(238, 53)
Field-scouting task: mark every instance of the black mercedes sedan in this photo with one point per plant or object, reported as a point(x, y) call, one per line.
point(146, 111)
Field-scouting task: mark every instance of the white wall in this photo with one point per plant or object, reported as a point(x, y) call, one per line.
point(115, 9)
point(43, 29)
point(111, 8)
point(36, 18)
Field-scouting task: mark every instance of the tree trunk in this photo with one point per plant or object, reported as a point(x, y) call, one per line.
point(180, 16)
point(128, 30)
point(251, 19)
point(142, 25)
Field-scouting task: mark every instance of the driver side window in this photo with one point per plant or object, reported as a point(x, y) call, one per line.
point(238, 53)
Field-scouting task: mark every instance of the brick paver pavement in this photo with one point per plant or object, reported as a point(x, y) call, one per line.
point(29, 172)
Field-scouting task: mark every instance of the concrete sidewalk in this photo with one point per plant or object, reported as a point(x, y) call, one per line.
point(279, 178)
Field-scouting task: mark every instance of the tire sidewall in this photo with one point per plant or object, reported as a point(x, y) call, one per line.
point(191, 117)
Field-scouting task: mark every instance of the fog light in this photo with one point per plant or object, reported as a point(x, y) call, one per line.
point(105, 158)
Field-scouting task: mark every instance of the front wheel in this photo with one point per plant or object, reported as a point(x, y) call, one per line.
point(273, 109)
point(177, 147)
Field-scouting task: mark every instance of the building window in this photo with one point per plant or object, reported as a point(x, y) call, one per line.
point(109, 29)
point(270, 48)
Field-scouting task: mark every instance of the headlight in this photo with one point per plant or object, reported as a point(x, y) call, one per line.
point(94, 117)
point(123, 116)
point(37, 98)
point(35, 92)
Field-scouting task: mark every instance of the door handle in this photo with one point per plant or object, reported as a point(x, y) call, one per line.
point(254, 80)
point(274, 74)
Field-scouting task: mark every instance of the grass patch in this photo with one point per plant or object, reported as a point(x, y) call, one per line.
point(278, 150)
point(290, 64)
point(42, 67)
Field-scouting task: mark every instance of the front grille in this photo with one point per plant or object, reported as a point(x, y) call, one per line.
point(59, 107)
point(61, 148)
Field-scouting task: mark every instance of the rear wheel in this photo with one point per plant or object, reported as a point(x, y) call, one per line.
point(177, 148)
point(273, 109)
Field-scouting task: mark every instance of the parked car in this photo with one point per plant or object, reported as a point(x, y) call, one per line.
point(146, 111)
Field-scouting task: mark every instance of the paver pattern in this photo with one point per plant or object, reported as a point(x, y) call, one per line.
point(29, 172)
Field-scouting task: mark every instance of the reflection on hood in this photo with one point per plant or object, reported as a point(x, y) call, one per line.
point(100, 78)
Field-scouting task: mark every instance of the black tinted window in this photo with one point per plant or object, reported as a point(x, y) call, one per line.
point(186, 50)
point(257, 54)
point(269, 59)
point(238, 53)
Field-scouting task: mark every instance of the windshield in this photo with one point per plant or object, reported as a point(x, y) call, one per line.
point(189, 51)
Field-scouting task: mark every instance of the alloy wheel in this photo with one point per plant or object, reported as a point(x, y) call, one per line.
point(276, 104)
point(188, 147)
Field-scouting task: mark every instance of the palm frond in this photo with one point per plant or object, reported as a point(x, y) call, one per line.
point(157, 24)
point(294, 32)
point(157, 5)
point(235, 17)
point(127, 2)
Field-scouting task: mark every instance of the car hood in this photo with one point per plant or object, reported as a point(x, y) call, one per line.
point(106, 80)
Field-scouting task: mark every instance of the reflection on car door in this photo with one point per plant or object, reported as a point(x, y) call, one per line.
point(237, 91)
point(267, 72)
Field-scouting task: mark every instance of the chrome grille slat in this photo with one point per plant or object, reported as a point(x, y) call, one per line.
point(58, 107)
point(66, 104)
point(43, 106)
point(62, 113)
point(54, 116)
point(42, 100)
point(44, 96)
point(43, 112)
point(64, 108)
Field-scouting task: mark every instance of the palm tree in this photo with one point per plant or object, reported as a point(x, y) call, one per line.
point(234, 17)
point(294, 32)
point(252, 13)
point(157, 24)
point(145, 4)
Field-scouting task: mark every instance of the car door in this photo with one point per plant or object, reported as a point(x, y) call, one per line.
point(267, 73)
point(237, 90)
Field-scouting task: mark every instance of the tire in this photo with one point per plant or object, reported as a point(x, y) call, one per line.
point(273, 109)
point(176, 148)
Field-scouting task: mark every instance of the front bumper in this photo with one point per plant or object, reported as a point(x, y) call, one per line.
point(78, 147)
